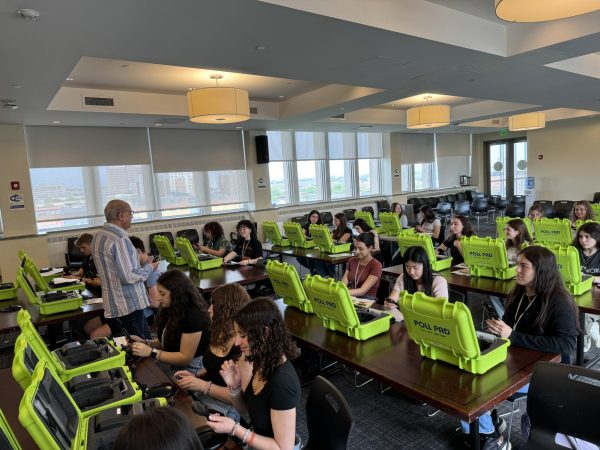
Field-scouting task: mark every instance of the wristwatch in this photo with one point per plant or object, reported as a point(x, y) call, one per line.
point(154, 353)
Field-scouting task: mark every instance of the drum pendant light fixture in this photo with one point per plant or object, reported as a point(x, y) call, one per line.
point(428, 116)
point(527, 121)
point(543, 10)
point(216, 105)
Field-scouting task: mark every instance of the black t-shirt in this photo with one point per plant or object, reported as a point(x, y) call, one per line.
point(590, 265)
point(89, 271)
point(346, 230)
point(457, 256)
point(212, 363)
point(281, 393)
point(195, 320)
point(251, 249)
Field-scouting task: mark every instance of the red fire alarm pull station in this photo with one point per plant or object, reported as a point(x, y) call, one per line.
point(540, 156)
point(15, 185)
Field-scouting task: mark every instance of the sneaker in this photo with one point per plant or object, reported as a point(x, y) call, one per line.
point(587, 343)
point(483, 439)
point(499, 422)
point(594, 334)
point(495, 442)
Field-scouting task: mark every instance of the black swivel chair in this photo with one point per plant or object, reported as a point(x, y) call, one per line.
point(501, 205)
point(349, 213)
point(369, 209)
point(518, 200)
point(444, 211)
point(461, 196)
point(479, 208)
point(383, 206)
point(327, 218)
point(153, 249)
point(563, 208)
point(596, 198)
point(191, 234)
point(515, 210)
point(73, 256)
point(328, 417)
point(451, 198)
point(548, 210)
point(562, 399)
point(302, 220)
point(462, 208)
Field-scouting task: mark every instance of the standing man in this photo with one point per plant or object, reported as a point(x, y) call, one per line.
point(121, 272)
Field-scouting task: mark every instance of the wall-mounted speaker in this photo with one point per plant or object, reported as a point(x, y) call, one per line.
point(262, 149)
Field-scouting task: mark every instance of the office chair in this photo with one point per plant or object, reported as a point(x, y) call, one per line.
point(596, 198)
point(369, 209)
point(191, 234)
point(302, 220)
point(562, 399)
point(515, 210)
point(349, 213)
point(462, 208)
point(563, 208)
point(328, 417)
point(73, 256)
point(479, 208)
point(327, 218)
point(382, 206)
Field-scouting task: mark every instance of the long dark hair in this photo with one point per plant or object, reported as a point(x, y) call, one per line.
point(183, 294)
point(591, 228)
point(215, 229)
point(158, 429)
point(314, 211)
point(366, 238)
point(419, 256)
point(393, 208)
point(268, 337)
point(547, 283)
point(523, 236)
point(341, 229)
point(226, 300)
point(248, 224)
point(362, 224)
point(466, 224)
point(428, 214)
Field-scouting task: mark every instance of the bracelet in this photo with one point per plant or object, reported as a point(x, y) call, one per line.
point(251, 440)
point(235, 424)
point(158, 355)
point(207, 389)
point(245, 436)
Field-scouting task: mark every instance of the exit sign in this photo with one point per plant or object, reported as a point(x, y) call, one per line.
point(503, 132)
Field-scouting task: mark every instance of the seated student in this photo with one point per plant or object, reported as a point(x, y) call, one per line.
point(271, 396)
point(535, 212)
point(87, 273)
point(429, 224)
point(587, 242)
point(247, 249)
point(397, 208)
point(314, 217)
point(158, 429)
point(210, 386)
point(183, 325)
point(540, 315)
point(582, 210)
point(340, 235)
point(361, 226)
point(517, 235)
point(363, 272)
point(217, 244)
point(459, 227)
point(417, 276)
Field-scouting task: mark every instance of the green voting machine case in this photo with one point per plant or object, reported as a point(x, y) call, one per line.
point(390, 222)
point(569, 266)
point(367, 217)
point(296, 236)
point(444, 331)
point(331, 301)
point(323, 239)
point(55, 423)
point(553, 231)
point(43, 284)
point(8, 291)
point(8, 441)
point(409, 239)
point(287, 285)
point(202, 262)
point(166, 250)
point(74, 358)
point(486, 257)
point(49, 302)
point(92, 392)
point(273, 234)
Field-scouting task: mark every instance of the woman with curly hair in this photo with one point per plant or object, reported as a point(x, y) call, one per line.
point(217, 244)
point(208, 382)
point(247, 249)
point(182, 325)
point(271, 396)
point(582, 210)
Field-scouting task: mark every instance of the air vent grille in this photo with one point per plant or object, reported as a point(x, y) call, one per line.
point(339, 117)
point(253, 110)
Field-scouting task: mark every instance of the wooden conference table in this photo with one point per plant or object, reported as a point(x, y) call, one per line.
point(587, 303)
point(394, 359)
point(309, 253)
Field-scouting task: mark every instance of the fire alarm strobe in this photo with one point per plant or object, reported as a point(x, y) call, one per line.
point(15, 185)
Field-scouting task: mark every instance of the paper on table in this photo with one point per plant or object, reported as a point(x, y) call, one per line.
point(362, 302)
point(462, 265)
point(50, 271)
point(59, 280)
point(464, 272)
point(93, 301)
point(339, 255)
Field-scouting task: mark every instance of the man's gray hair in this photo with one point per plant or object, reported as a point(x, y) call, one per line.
point(114, 208)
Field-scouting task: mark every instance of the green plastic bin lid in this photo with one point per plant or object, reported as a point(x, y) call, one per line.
point(423, 240)
point(331, 299)
point(578, 223)
point(439, 323)
point(164, 247)
point(294, 232)
point(272, 232)
point(484, 252)
point(286, 282)
point(33, 338)
point(8, 441)
point(390, 222)
point(366, 216)
point(25, 285)
point(553, 231)
point(186, 250)
point(568, 262)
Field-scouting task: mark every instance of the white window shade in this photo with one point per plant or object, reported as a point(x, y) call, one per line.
point(370, 145)
point(310, 145)
point(280, 146)
point(453, 145)
point(86, 146)
point(342, 145)
point(196, 150)
point(416, 148)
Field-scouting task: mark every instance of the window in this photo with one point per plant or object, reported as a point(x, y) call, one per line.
point(280, 167)
point(341, 179)
point(520, 167)
point(310, 157)
point(506, 168)
point(370, 154)
point(424, 176)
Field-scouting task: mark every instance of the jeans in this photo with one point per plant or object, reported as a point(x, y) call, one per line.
point(133, 324)
point(486, 426)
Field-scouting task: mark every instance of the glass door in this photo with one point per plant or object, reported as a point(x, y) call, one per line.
point(506, 168)
point(497, 169)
